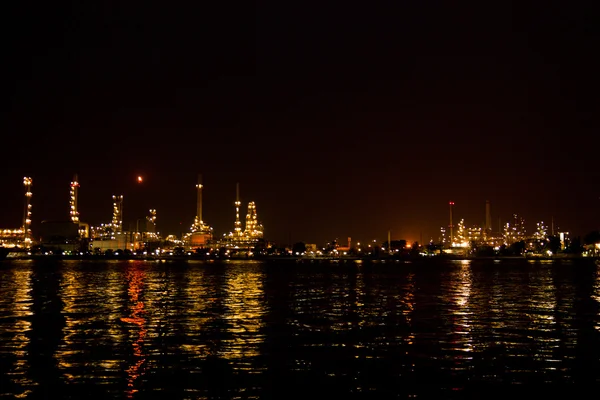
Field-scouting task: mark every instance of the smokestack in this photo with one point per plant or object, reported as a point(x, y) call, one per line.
point(199, 201)
point(488, 216)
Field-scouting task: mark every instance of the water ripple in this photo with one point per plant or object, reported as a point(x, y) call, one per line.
point(253, 330)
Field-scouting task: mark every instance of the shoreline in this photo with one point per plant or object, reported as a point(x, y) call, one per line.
point(20, 255)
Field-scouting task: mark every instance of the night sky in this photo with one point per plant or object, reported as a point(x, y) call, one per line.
point(344, 119)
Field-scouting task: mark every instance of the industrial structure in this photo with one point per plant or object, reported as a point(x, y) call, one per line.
point(510, 234)
point(117, 217)
point(111, 236)
point(20, 237)
point(253, 234)
point(27, 182)
point(254, 229)
point(238, 224)
point(73, 200)
point(200, 234)
point(66, 235)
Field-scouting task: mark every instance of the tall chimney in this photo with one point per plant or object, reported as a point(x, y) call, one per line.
point(199, 201)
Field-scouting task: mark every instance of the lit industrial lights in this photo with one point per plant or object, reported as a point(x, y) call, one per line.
point(73, 200)
point(27, 182)
point(117, 217)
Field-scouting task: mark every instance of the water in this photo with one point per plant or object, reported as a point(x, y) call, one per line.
point(240, 330)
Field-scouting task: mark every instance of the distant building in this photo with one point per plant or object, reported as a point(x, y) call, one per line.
point(62, 235)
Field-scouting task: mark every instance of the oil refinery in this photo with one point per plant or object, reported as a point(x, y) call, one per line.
point(72, 236)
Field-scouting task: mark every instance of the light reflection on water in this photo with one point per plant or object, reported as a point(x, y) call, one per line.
point(15, 313)
point(253, 330)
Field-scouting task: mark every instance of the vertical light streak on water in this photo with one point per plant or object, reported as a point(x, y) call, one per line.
point(408, 302)
point(201, 300)
point(542, 327)
point(137, 323)
point(90, 349)
point(15, 313)
point(457, 346)
point(460, 311)
point(596, 297)
point(244, 302)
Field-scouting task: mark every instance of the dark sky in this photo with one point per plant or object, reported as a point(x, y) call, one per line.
point(343, 119)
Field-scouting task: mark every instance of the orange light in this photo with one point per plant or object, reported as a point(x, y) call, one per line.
point(139, 179)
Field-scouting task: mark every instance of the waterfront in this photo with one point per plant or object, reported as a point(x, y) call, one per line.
point(247, 329)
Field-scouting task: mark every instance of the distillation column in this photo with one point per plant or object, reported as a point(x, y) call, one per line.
point(27, 182)
point(253, 228)
point(238, 223)
point(117, 217)
point(73, 200)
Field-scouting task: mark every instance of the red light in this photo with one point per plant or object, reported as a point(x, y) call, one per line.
point(451, 203)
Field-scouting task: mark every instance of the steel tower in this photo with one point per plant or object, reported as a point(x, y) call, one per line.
point(73, 200)
point(117, 217)
point(27, 182)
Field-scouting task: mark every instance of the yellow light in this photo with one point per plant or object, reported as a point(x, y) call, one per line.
point(139, 179)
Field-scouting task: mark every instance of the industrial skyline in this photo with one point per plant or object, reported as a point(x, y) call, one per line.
point(457, 231)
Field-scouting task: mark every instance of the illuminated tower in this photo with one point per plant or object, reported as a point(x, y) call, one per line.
point(27, 182)
point(73, 200)
point(201, 233)
point(238, 224)
point(253, 230)
point(199, 225)
point(117, 217)
point(199, 202)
